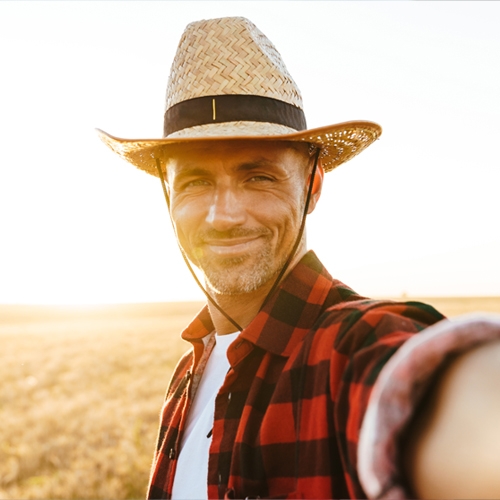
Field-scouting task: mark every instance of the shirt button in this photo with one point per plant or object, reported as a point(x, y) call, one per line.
point(171, 454)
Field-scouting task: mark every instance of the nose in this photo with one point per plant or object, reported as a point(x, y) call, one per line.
point(226, 210)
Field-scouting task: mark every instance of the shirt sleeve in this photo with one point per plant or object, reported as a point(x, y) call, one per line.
point(398, 390)
point(367, 334)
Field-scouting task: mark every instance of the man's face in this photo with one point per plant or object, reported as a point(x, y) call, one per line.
point(237, 209)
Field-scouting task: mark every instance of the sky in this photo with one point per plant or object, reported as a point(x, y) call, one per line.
point(415, 214)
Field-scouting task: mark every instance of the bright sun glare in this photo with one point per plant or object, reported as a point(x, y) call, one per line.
point(416, 213)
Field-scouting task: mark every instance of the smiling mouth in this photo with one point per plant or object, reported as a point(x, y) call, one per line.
point(232, 246)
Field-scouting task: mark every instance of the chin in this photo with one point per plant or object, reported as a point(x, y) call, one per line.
point(240, 279)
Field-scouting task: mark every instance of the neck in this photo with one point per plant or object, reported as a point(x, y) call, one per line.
point(243, 308)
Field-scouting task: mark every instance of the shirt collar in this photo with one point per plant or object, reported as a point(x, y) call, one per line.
point(306, 292)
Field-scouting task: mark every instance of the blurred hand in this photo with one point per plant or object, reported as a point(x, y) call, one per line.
point(454, 444)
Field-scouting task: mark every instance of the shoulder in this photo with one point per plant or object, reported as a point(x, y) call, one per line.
point(352, 326)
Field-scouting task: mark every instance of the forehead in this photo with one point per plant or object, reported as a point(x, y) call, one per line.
point(232, 153)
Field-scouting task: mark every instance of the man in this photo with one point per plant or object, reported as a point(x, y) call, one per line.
point(270, 400)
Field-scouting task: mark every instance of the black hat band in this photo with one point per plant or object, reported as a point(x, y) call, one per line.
point(232, 108)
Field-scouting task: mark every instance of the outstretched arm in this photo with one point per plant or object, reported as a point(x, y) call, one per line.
point(453, 447)
point(432, 426)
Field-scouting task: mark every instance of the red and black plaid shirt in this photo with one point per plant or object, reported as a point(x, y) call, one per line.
point(287, 418)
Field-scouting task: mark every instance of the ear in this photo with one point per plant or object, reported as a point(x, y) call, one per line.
point(317, 185)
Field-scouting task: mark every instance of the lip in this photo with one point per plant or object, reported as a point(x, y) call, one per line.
point(236, 246)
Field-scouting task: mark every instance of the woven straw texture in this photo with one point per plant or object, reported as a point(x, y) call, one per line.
point(231, 56)
point(228, 129)
point(228, 56)
point(339, 143)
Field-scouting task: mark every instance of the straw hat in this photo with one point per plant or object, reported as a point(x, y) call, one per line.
point(228, 81)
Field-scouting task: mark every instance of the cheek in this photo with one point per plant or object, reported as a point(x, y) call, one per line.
point(282, 218)
point(186, 218)
point(283, 207)
point(293, 214)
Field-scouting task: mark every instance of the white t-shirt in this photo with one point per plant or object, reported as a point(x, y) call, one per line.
point(191, 474)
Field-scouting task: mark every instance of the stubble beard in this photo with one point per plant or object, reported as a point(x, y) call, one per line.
point(241, 275)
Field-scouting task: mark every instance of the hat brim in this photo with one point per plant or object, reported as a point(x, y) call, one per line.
point(339, 143)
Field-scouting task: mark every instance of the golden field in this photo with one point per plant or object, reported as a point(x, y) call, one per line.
point(80, 393)
point(81, 389)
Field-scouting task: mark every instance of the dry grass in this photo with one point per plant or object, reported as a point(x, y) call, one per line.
point(81, 388)
point(80, 394)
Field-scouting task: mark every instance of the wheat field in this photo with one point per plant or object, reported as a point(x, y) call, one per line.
point(80, 393)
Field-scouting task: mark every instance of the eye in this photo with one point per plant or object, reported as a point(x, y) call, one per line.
point(261, 178)
point(193, 184)
point(197, 182)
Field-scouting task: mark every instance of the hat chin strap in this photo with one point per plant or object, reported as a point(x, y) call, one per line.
point(286, 265)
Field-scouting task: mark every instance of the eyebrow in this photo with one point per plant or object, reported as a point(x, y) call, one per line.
point(194, 171)
point(188, 171)
point(249, 165)
point(254, 164)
